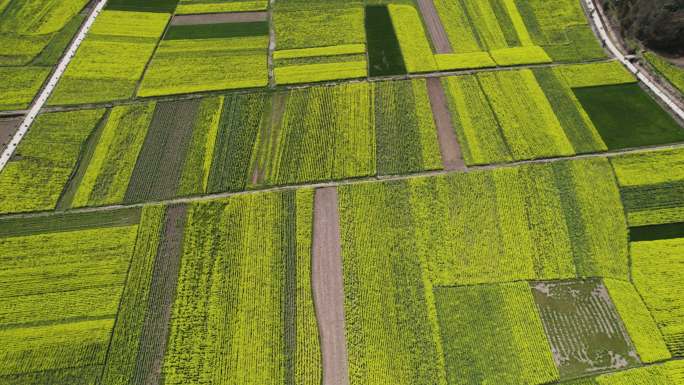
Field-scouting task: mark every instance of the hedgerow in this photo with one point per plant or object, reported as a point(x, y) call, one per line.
point(655, 267)
point(638, 321)
point(44, 161)
point(111, 60)
point(107, 176)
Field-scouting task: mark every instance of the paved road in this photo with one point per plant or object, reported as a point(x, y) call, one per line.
point(50, 85)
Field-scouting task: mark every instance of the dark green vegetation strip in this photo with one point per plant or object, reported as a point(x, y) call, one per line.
point(651, 197)
point(384, 53)
point(290, 293)
point(77, 376)
point(581, 321)
point(568, 114)
point(164, 6)
point(505, 23)
point(126, 343)
point(626, 116)
point(163, 285)
point(67, 198)
point(397, 138)
point(58, 44)
point(220, 30)
point(159, 167)
point(237, 132)
point(68, 222)
point(656, 232)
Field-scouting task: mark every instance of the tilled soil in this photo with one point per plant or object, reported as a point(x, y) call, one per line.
point(162, 294)
point(216, 18)
point(439, 37)
point(328, 287)
point(448, 143)
point(7, 129)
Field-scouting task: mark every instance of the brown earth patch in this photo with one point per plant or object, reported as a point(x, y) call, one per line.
point(162, 294)
point(448, 143)
point(7, 129)
point(216, 18)
point(328, 287)
point(438, 35)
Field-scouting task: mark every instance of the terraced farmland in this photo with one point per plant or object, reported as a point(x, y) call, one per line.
point(336, 192)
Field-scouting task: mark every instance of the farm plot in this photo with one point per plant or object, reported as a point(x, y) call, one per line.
point(584, 329)
point(36, 176)
point(656, 272)
point(516, 115)
point(245, 260)
point(208, 57)
point(670, 373)
point(20, 85)
point(108, 173)
point(551, 221)
point(60, 294)
point(8, 127)
point(493, 334)
point(110, 62)
point(160, 6)
point(30, 28)
point(186, 7)
point(651, 185)
point(319, 41)
point(671, 72)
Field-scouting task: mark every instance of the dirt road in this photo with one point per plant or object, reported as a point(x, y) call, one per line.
point(216, 18)
point(328, 288)
point(7, 129)
point(448, 143)
point(438, 35)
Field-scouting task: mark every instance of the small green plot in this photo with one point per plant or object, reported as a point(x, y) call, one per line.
point(219, 30)
point(143, 6)
point(583, 327)
point(626, 116)
point(656, 232)
point(384, 53)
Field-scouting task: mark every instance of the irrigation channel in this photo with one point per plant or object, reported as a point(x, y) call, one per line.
point(48, 87)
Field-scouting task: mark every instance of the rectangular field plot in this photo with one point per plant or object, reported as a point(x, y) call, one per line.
point(20, 85)
point(110, 62)
point(32, 31)
point(669, 373)
point(318, 41)
point(626, 116)
point(186, 7)
point(493, 334)
point(243, 306)
point(652, 189)
point(551, 221)
point(208, 57)
point(504, 116)
point(583, 327)
point(657, 267)
point(38, 173)
point(60, 296)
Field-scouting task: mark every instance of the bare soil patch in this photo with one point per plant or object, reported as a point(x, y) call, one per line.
point(448, 143)
point(162, 294)
point(440, 40)
point(7, 129)
point(216, 18)
point(328, 287)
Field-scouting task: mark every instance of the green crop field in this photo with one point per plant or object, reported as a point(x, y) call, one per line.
point(336, 192)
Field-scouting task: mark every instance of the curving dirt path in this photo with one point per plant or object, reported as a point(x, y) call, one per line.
point(328, 287)
point(435, 28)
point(448, 143)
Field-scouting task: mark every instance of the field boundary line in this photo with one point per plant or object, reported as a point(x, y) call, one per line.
point(596, 17)
point(344, 182)
point(45, 93)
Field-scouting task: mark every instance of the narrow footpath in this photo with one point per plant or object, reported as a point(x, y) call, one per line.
point(452, 158)
point(328, 287)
